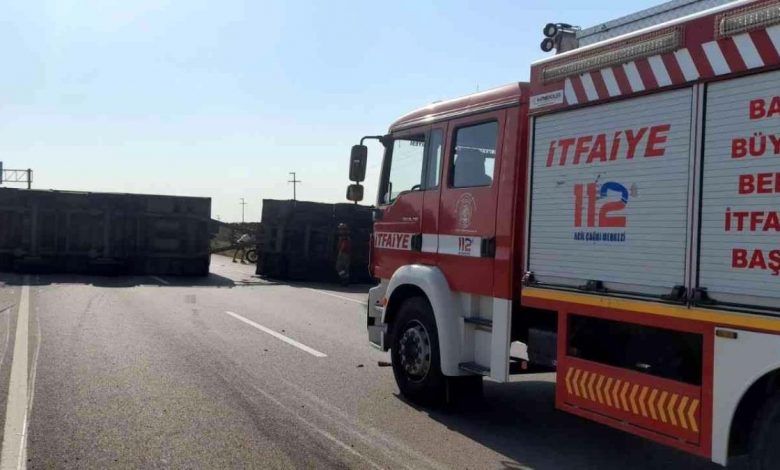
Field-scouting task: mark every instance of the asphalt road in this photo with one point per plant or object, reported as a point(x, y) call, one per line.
point(148, 372)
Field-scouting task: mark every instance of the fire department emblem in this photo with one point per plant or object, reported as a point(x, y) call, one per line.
point(464, 210)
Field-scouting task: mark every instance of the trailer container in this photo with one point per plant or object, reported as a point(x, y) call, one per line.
point(103, 233)
point(298, 240)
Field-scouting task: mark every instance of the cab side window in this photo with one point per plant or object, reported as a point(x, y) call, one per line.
point(474, 156)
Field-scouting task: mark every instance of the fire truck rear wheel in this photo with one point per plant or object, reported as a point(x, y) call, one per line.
point(415, 353)
point(764, 449)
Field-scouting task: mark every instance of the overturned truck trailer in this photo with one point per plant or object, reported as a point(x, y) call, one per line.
point(298, 240)
point(103, 233)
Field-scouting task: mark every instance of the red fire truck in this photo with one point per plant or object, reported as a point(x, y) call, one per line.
point(616, 220)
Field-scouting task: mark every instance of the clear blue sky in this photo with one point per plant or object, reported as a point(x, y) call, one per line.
point(224, 98)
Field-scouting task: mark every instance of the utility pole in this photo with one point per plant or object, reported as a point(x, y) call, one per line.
point(242, 209)
point(294, 183)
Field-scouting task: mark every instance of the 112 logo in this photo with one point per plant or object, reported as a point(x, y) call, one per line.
point(464, 245)
point(586, 197)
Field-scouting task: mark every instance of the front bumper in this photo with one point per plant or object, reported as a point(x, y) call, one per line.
point(374, 314)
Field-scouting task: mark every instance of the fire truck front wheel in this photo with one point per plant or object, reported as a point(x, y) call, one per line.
point(415, 353)
point(764, 449)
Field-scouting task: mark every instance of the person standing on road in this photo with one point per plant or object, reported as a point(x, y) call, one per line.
point(242, 242)
point(344, 249)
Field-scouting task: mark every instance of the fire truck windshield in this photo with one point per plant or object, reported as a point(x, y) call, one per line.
point(403, 167)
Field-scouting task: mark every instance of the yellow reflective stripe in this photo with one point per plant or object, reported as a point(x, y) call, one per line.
point(735, 319)
point(661, 402)
point(670, 409)
point(632, 399)
point(642, 396)
point(681, 412)
point(568, 380)
point(599, 389)
point(651, 404)
point(574, 382)
point(676, 409)
point(692, 415)
point(606, 391)
point(623, 396)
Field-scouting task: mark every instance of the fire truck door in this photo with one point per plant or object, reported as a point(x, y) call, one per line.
point(397, 233)
point(467, 211)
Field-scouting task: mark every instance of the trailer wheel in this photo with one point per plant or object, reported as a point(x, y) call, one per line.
point(764, 449)
point(251, 255)
point(415, 353)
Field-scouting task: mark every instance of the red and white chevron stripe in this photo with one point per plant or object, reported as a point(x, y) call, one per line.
point(722, 56)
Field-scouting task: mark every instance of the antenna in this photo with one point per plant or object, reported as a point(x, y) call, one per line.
point(294, 183)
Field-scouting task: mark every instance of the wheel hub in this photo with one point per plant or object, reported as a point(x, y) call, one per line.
point(415, 351)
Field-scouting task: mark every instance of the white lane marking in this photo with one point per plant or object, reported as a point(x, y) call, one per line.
point(6, 312)
point(16, 410)
point(33, 374)
point(160, 280)
point(336, 296)
point(279, 336)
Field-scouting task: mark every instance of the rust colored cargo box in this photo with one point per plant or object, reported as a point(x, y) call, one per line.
point(103, 233)
point(298, 240)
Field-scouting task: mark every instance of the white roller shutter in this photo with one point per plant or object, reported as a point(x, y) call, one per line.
point(648, 253)
point(742, 266)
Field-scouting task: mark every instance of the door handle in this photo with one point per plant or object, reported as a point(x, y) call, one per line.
point(410, 219)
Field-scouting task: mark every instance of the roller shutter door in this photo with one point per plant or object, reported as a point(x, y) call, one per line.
point(610, 194)
point(740, 225)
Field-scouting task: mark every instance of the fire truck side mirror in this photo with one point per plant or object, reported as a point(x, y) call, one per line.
point(354, 193)
point(357, 164)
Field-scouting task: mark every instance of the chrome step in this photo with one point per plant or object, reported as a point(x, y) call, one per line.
point(474, 368)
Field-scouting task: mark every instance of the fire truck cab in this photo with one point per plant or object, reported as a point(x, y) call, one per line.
point(616, 220)
point(447, 226)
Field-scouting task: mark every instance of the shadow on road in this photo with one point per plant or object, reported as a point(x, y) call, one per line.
point(212, 280)
point(518, 420)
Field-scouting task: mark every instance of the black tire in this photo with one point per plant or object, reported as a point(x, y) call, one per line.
point(422, 384)
point(765, 436)
point(251, 255)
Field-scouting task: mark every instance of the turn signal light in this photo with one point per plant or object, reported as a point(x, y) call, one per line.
point(726, 334)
